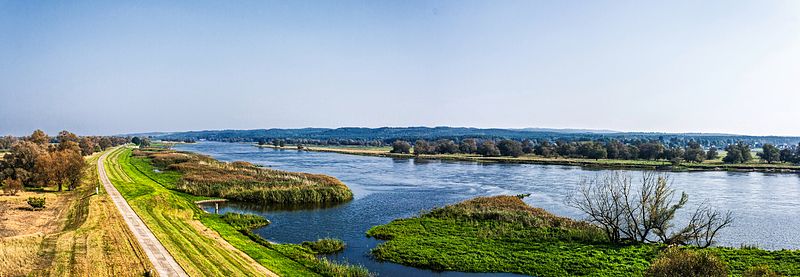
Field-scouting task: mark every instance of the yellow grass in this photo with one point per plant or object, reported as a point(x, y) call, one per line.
point(78, 234)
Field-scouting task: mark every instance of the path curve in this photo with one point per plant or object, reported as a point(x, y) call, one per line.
point(161, 259)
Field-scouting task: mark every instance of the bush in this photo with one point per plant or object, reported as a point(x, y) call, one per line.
point(687, 263)
point(325, 246)
point(36, 202)
point(244, 221)
point(760, 271)
point(12, 186)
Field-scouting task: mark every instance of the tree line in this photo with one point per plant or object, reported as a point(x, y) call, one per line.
point(39, 160)
point(694, 152)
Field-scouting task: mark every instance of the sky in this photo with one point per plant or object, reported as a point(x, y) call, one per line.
point(108, 67)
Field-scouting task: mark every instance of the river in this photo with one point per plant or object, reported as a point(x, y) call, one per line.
point(766, 206)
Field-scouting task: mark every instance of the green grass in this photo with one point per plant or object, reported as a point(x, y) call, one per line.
point(169, 215)
point(325, 245)
point(149, 190)
point(503, 236)
point(244, 221)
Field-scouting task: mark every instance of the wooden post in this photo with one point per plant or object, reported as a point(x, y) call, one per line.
point(216, 207)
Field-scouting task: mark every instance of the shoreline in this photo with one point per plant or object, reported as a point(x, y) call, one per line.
point(585, 163)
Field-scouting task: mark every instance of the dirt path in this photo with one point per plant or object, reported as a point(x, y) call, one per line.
point(162, 260)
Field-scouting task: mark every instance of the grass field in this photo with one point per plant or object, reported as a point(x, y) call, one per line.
point(78, 234)
point(506, 235)
point(709, 165)
point(185, 230)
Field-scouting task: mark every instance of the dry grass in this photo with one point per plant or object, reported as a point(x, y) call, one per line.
point(78, 234)
point(507, 209)
point(17, 253)
point(246, 182)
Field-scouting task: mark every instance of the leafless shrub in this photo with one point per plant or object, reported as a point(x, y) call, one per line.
point(645, 213)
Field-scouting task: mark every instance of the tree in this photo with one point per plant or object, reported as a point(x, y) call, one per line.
point(6, 142)
point(787, 155)
point(137, 141)
point(527, 146)
point(12, 186)
point(422, 147)
point(401, 146)
point(20, 162)
point(737, 153)
point(644, 213)
point(545, 149)
point(104, 143)
point(65, 136)
point(488, 149)
point(651, 150)
point(145, 142)
point(87, 146)
point(770, 153)
point(592, 150)
point(694, 152)
point(509, 147)
point(281, 143)
point(468, 146)
point(446, 146)
point(712, 153)
point(39, 137)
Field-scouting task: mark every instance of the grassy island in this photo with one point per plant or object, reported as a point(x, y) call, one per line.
point(503, 234)
point(243, 181)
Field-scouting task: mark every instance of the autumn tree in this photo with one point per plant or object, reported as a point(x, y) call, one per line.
point(39, 137)
point(87, 146)
point(105, 143)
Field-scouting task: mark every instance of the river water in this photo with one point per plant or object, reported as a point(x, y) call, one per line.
point(766, 206)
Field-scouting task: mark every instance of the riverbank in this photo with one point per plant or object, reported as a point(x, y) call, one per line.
point(202, 243)
point(713, 165)
point(503, 234)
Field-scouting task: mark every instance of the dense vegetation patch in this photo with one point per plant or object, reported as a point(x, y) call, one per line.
point(503, 234)
point(244, 221)
point(325, 246)
point(242, 181)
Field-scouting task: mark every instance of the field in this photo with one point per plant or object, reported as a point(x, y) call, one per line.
point(245, 182)
point(191, 235)
point(709, 165)
point(77, 234)
point(503, 234)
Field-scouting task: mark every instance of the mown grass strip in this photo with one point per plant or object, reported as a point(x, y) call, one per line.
point(169, 214)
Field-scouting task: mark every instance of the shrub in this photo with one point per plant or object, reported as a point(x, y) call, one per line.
point(244, 221)
point(760, 271)
point(325, 246)
point(12, 186)
point(687, 263)
point(36, 202)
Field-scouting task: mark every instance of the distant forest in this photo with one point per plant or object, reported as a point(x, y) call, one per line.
point(387, 135)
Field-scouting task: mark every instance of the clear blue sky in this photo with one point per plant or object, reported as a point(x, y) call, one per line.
point(106, 67)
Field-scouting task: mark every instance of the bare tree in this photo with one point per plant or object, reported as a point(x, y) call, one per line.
point(645, 213)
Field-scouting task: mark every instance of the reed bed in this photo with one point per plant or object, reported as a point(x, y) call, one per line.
point(245, 182)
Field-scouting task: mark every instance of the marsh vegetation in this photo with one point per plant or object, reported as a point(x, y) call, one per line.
point(245, 182)
point(503, 234)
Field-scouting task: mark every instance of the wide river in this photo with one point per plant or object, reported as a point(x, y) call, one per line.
point(766, 206)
